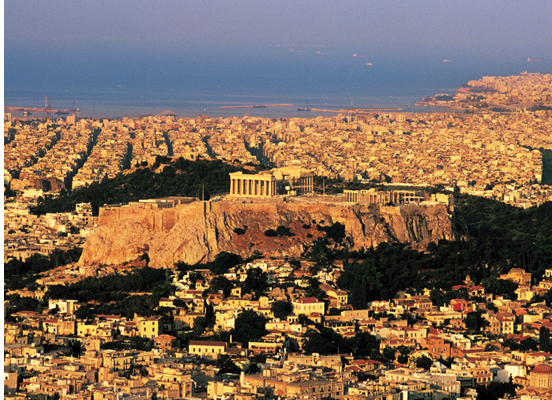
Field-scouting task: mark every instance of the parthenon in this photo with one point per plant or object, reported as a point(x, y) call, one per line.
point(290, 180)
point(259, 185)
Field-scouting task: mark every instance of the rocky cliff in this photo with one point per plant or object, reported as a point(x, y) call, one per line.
point(202, 230)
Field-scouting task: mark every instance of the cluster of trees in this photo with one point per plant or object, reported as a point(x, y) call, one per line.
point(19, 274)
point(280, 231)
point(220, 265)
point(504, 236)
point(105, 288)
point(39, 263)
point(223, 262)
point(530, 344)
point(281, 309)
point(496, 238)
point(546, 166)
point(181, 177)
point(379, 273)
point(17, 303)
point(240, 231)
point(524, 345)
point(544, 340)
point(496, 390)
point(249, 326)
point(475, 322)
point(332, 246)
point(256, 281)
point(324, 340)
point(112, 293)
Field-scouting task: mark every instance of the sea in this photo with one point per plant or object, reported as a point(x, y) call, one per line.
point(115, 84)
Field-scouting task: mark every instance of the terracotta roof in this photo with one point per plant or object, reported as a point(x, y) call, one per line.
point(206, 343)
point(307, 300)
point(542, 369)
point(165, 337)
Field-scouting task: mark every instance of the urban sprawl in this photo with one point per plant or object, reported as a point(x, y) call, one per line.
point(488, 141)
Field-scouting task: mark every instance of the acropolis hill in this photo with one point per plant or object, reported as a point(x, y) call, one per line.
point(198, 231)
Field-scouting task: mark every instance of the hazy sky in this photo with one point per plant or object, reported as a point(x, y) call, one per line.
point(427, 25)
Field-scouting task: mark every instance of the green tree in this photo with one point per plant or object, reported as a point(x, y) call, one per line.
point(313, 290)
point(322, 341)
point(336, 232)
point(84, 312)
point(364, 280)
point(255, 282)
point(281, 309)
point(424, 362)
point(500, 287)
point(475, 322)
point(223, 262)
point(365, 345)
point(200, 325)
point(250, 326)
point(437, 297)
point(544, 339)
point(141, 343)
point(75, 348)
point(226, 365)
point(403, 354)
point(389, 353)
point(528, 344)
point(221, 283)
point(495, 390)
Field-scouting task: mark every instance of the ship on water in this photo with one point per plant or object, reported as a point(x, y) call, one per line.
point(305, 109)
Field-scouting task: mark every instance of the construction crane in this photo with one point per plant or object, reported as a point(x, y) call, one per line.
point(47, 108)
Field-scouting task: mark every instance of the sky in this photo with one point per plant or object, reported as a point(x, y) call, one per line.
point(322, 44)
point(240, 25)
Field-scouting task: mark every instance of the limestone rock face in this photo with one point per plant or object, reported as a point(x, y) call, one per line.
point(116, 243)
point(199, 235)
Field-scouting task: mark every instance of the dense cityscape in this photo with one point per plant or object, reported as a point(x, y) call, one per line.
point(310, 308)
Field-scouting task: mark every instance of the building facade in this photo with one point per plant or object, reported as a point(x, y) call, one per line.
point(279, 181)
point(373, 196)
point(258, 185)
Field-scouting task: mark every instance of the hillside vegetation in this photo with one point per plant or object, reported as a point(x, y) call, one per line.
point(496, 238)
point(176, 178)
